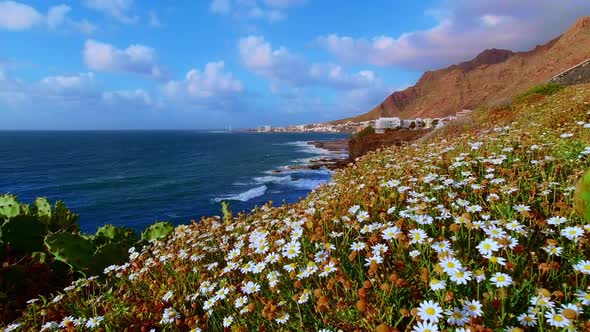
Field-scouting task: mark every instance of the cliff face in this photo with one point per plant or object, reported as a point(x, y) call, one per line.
point(359, 146)
point(492, 77)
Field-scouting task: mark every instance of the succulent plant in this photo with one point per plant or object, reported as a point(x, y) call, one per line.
point(73, 250)
point(63, 219)
point(42, 209)
point(111, 233)
point(582, 196)
point(109, 254)
point(24, 233)
point(157, 231)
point(226, 212)
point(9, 207)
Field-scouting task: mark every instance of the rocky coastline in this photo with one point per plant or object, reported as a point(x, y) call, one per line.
point(340, 158)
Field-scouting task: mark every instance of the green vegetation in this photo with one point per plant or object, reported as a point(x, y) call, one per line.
point(546, 89)
point(472, 227)
point(365, 132)
point(48, 238)
point(226, 212)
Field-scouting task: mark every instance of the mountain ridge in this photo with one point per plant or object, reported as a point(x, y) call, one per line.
point(492, 77)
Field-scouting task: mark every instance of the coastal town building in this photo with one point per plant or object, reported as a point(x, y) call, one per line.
point(384, 123)
point(380, 125)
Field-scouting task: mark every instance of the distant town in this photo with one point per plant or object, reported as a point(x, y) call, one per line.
point(381, 125)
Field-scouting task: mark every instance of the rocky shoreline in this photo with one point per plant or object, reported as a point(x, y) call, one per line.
point(338, 147)
point(339, 150)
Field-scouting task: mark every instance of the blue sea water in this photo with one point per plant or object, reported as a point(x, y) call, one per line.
point(133, 178)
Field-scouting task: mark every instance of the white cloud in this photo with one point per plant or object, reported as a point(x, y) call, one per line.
point(76, 92)
point(284, 3)
point(211, 84)
point(270, 15)
point(294, 81)
point(84, 26)
point(136, 59)
point(463, 29)
point(268, 10)
point(220, 6)
point(213, 89)
point(117, 9)
point(57, 15)
point(68, 87)
point(282, 67)
point(18, 16)
point(135, 98)
point(154, 19)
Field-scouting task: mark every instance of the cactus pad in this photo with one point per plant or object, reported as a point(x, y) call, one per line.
point(73, 250)
point(111, 233)
point(63, 219)
point(157, 231)
point(226, 212)
point(42, 209)
point(582, 196)
point(24, 233)
point(9, 207)
point(110, 254)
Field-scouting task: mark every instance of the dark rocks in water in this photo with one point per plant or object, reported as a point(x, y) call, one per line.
point(340, 145)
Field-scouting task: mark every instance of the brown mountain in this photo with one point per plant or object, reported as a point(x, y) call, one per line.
point(492, 77)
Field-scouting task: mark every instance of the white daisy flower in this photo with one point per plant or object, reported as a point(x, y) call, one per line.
point(501, 280)
point(430, 311)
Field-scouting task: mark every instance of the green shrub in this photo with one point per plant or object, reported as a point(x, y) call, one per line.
point(546, 89)
point(365, 132)
point(42, 249)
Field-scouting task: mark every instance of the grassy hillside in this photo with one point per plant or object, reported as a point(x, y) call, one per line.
point(472, 227)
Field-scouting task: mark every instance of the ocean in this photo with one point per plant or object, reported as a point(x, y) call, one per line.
point(133, 178)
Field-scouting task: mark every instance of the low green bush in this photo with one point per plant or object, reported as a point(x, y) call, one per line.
point(546, 89)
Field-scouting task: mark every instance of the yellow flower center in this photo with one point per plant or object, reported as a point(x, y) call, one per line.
point(587, 267)
point(472, 307)
point(501, 279)
point(487, 246)
point(430, 311)
point(558, 318)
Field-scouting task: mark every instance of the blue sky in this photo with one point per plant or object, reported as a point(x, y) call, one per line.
point(125, 64)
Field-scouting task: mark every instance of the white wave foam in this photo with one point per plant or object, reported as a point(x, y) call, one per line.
point(245, 196)
point(287, 170)
point(305, 147)
point(273, 179)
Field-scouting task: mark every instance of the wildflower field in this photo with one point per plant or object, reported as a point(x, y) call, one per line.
point(472, 228)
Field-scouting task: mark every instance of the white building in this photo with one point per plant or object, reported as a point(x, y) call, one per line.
point(387, 123)
point(407, 123)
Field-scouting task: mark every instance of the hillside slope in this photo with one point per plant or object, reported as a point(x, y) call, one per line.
point(493, 77)
point(472, 226)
